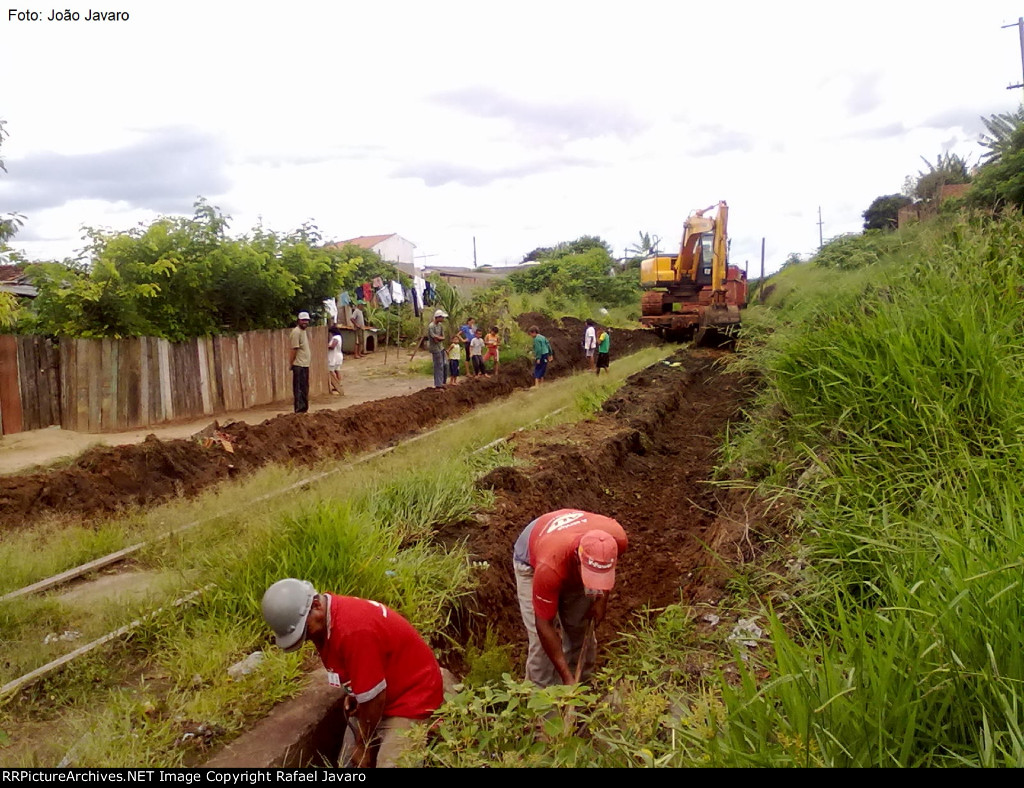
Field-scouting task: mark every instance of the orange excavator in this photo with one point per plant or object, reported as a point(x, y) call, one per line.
point(695, 294)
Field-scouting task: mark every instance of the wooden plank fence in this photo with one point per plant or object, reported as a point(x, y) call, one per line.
point(108, 385)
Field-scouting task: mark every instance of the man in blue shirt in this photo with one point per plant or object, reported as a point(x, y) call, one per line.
point(541, 355)
point(466, 333)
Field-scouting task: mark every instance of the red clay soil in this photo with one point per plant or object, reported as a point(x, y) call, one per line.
point(646, 461)
point(105, 480)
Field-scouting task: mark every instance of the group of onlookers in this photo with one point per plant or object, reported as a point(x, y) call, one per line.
point(448, 353)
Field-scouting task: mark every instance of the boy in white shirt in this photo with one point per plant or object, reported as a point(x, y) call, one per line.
point(476, 353)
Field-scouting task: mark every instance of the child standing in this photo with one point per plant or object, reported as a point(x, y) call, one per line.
point(335, 358)
point(604, 344)
point(491, 342)
point(476, 353)
point(454, 359)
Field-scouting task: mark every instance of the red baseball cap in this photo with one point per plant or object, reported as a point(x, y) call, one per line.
point(598, 553)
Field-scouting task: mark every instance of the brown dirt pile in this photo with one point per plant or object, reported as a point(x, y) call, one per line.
point(105, 480)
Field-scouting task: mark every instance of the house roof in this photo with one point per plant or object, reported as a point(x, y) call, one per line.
point(12, 273)
point(365, 241)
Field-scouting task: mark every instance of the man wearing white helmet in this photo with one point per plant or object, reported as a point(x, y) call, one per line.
point(390, 673)
point(436, 345)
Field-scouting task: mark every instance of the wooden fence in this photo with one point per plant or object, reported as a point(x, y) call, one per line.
point(105, 385)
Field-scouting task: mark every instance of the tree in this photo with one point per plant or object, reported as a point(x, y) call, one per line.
point(10, 223)
point(1001, 181)
point(540, 253)
point(581, 268)
point(884, 211)
point(183, 277)
point(648, 245)
point(948, 169)
point(1000, 128)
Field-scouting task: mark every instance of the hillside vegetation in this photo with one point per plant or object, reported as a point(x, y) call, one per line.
point(892, 414)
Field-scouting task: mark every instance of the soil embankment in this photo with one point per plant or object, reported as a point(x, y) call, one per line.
point(105, 480)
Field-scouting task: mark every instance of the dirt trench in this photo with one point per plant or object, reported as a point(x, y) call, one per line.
point(105, 480)
point(646, 460)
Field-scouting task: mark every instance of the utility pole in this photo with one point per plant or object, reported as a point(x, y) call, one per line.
point(821, 239)
point(1020, 30)
point(760, 282)
point(474, 251)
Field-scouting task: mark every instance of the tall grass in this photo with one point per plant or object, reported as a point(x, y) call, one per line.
point(906, 398)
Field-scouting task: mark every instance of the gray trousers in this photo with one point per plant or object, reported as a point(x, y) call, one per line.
point(440, 367)
point(572, 619)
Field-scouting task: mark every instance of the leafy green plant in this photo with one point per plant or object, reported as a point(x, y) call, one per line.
point(511, 724)
point(488, 662)
point(184, 277)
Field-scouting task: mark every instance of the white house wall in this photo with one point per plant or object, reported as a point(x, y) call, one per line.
point(395, 249)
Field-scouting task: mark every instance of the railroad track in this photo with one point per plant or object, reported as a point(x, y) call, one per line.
point(11, 688)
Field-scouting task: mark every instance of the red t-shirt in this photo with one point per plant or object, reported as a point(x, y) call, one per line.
point(373, 648)
point(553, 544)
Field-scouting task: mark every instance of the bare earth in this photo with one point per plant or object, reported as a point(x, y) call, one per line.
point(363, 380)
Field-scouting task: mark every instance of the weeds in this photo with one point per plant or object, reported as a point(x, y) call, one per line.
point(893, 415)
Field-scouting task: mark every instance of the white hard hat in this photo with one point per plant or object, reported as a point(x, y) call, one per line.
point(286, 606)
point(440, 313)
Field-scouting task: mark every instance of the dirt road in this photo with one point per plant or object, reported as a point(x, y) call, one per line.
point(364, 380)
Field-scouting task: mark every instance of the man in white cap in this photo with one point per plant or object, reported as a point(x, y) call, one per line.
point(299, 360)
point(564, 563)
point(389, 672)
point(436, 345)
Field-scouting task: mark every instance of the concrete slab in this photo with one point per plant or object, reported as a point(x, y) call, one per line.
point(304, 731)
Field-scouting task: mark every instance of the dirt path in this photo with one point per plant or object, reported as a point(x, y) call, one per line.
point(363, 379)
point(645, 461)
point(105, 480)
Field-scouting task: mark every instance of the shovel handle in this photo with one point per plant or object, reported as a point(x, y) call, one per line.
point(583, 651)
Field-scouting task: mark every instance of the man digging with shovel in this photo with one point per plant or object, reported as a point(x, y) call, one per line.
point(565, 568)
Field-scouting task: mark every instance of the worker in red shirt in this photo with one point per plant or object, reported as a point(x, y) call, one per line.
point(389, 672)
point(565, 569)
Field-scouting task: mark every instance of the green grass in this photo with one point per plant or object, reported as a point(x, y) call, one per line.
point(893, 415)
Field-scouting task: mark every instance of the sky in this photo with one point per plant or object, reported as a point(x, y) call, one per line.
point(517, 124)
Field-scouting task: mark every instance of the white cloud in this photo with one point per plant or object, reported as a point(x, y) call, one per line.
point(522, 125)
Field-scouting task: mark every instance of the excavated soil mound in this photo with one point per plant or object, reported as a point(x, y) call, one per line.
point(108, 479)
point(646, 461)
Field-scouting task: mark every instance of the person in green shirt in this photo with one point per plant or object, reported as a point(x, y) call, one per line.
point(604, 343)
point(541, 354)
